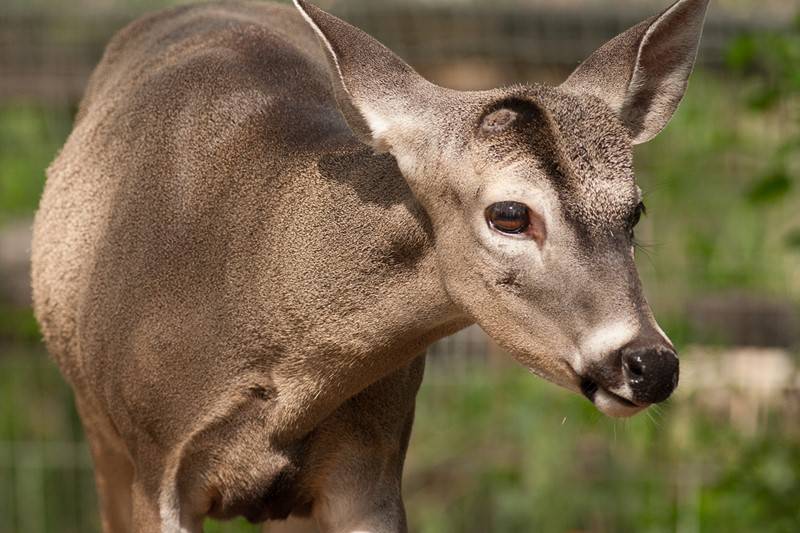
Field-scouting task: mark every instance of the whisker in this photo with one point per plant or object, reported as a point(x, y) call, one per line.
point(653, 420)
point(646, 249)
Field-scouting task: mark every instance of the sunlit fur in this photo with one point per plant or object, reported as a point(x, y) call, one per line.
point(263, 217)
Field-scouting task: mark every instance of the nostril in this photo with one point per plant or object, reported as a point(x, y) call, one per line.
point(634, 365)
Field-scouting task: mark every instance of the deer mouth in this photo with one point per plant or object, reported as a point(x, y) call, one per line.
point(607, 402)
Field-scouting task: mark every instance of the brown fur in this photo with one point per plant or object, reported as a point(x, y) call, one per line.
point(240, 292)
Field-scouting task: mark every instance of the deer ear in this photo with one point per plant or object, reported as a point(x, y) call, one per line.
point(375, 90)
point(642, 74)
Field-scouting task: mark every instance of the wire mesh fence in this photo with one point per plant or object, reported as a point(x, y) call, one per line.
point(47, 55)
point(40, 477)
point(46, 481)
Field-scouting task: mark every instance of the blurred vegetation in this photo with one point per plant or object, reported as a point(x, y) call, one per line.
point(775, 62)
point(30, 136)
point(495, 449)
point(500, 451)
point(721, 179)
point(740, 7)
point(18, 325)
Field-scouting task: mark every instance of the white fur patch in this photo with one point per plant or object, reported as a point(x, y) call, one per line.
point(661, 331)
point(377, 124)
point(610, 406)
point(604, 340)
point(169, 508)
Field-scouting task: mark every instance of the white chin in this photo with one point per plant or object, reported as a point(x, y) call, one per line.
point(610, 405)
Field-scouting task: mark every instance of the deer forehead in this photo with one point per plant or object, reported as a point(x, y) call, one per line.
point(582, 151)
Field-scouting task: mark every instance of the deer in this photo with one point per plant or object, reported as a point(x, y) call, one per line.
point(263, 217)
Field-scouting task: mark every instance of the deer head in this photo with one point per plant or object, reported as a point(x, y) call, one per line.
point(532, 197)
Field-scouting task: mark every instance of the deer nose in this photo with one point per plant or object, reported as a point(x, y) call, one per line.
point(651, 371)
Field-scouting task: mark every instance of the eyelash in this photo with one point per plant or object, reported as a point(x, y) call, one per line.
point(641, 210)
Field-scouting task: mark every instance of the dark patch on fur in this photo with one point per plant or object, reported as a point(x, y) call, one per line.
point(374, 177)
point(532, 132)
point(280, 496)
point(262, 392)
point(509, 280)
point(405, 251)
point(607, 372)
point(280, 499)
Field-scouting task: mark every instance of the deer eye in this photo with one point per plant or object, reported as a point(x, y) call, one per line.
point(637, 215)
point(640, 210)
point(508, 217)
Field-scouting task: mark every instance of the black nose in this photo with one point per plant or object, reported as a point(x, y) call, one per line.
point(651, 370)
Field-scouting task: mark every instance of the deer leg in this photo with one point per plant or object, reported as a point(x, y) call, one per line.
point(126, 505)
point(113, 471)
point(360, 452)
point(146, 513)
